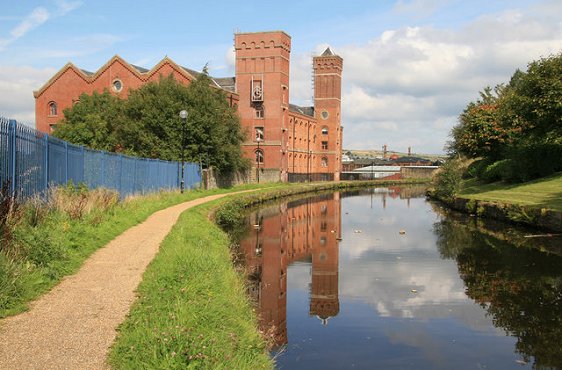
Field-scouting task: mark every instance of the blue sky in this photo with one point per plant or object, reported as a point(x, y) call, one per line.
point(410, 66)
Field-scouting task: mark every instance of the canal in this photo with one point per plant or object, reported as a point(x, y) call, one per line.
point(383, 279)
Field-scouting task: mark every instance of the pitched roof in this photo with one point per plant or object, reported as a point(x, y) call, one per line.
point(307, 111)
point(327, 53)
point(143, 73)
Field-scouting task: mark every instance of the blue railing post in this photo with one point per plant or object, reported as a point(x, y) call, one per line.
point(12, 148)
point(65, 163)
point(46, 161)
point(102, 182)
point(120, 174)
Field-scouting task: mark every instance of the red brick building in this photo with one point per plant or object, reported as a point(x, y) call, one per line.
point(285, 141)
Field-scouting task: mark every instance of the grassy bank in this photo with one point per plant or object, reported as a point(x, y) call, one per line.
point(541, 193)
point(193, 311)
point(43, 241)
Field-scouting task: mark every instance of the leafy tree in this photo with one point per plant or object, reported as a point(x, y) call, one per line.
point(534, 101)
point(94, 122)
point(526, 111)
point(147, 124)
point(480, 131)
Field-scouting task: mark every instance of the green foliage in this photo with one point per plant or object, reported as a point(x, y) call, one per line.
point(499, 170)
point(96, 121)
point(535, 101)
point(479, 132)
point(230, 215)
point(521, 122)
point(476, 168)
point(534, 161)
point(447, 182)
point(147, 124)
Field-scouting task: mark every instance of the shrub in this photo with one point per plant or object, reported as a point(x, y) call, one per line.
point(448, 180)
point(500, 170)
point(8, 216)
point(534, 161)
point(476, 168)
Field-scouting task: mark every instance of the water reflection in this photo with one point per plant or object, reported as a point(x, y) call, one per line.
point(303, 230)
point(520, 288)
point(339, 286)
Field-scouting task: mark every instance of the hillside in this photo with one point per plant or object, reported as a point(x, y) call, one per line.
point(379, 154)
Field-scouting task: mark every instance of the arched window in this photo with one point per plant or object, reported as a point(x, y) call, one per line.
point(324, 162)
point(325, 130)
point(259, 156)
point(52, 108)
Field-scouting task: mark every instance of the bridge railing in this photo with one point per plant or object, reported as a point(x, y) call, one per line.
point(32, 161)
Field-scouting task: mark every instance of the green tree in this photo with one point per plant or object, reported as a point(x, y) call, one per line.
point(147, 124)
point(480, 131)
point(94, 122)
point(533, 101)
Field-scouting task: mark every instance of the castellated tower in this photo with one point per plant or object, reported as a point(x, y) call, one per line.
point(328, 69)
point(262, 82)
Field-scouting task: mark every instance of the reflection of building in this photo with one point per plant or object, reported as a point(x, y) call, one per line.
point(306, 230)
point(324, 301)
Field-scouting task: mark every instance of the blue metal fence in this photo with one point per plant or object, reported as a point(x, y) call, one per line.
point(32, 161)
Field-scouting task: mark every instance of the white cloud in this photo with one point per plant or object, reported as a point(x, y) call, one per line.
point(16, 89)
point(37, 17)
point(407, 85)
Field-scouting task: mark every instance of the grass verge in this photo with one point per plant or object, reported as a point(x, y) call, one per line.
point(541, 193)
point(193, 310)
point(48, 242)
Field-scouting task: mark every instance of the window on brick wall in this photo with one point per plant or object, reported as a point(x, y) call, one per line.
point(52, 108)
point(324, 162)
point(259, 134)
point(325, 145)
point(260, 112)
point(325, 130)
point(259, 156)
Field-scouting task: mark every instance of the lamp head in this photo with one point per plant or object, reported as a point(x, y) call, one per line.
point(183, 114)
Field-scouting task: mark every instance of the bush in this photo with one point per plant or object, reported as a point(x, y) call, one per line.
point(476, 168)
point(448, 180)
point(500, 170)
point(534, 161)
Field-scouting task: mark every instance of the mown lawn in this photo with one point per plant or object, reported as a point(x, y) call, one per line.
point(541, 193)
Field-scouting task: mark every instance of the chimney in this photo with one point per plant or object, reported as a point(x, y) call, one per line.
point(384, 151)
point(409, 151)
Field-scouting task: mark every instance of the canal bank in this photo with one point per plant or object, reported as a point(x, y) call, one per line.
point(192, 307)
point(535, 204)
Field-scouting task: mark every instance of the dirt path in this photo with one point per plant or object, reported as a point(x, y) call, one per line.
point(73, 326)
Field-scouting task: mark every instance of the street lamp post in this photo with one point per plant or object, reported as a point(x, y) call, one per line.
point(183, 116)
point(258, 158)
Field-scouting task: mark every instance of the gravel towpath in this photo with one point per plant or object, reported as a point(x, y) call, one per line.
point(74, 325)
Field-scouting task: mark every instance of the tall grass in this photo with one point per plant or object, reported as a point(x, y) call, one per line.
point(45, 239)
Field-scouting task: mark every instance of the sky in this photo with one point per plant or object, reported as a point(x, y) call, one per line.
point(410, 66)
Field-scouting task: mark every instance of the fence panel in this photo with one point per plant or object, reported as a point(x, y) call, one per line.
point(33, 161)
point(4, 151)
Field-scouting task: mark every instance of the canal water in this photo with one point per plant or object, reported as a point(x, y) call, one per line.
point(384, 279)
